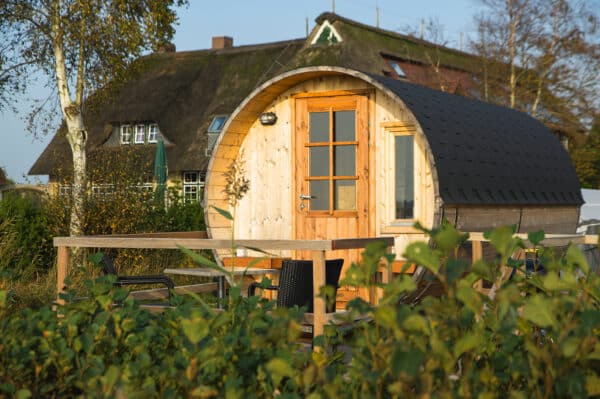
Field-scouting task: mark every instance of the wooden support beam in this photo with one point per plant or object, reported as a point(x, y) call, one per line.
point(318, 302)
point(477, 254)
point(62, 267)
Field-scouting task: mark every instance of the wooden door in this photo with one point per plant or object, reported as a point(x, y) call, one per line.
point(331, 172)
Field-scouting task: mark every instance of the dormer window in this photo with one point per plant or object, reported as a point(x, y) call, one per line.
point(397, 69)
point(137, 133)
point(152, 133)
point(125, 134)
point(140, 134)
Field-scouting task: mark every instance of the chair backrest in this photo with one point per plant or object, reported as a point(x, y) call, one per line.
point(296, 282)
point(108, 266)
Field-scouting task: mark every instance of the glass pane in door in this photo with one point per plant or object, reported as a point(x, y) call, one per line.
point(344, 126)
point(319, 190)
point(345, 195)
point(319, 127)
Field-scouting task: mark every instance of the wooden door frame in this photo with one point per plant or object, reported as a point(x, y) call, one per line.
point(370, 195)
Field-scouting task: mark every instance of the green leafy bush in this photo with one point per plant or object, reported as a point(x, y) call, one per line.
point(25, 237)
point(537, 336)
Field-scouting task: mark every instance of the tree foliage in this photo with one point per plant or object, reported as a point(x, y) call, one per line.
point(541, 57)
point(586, 159)
point(80, 46)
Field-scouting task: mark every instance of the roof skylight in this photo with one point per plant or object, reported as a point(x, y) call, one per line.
point(217, 124)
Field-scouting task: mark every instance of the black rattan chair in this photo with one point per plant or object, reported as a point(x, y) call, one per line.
point(296, 283)
point(108, 267)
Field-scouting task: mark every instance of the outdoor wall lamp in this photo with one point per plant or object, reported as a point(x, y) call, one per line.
point(268, 118)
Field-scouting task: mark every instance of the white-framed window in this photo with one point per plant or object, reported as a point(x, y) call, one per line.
point(404, 176)
point(152, 133)
point(400, 164)
point(126, 133)
point(64, 190)
point(192, 185)
point(140, 134)
point(102, 190)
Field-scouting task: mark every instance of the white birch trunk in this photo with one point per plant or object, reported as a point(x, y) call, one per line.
point(76, 134)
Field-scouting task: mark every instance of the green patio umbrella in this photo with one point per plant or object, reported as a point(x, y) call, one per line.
point(160, 172)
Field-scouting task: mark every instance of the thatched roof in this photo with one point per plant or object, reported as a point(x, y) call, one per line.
point(183, 91)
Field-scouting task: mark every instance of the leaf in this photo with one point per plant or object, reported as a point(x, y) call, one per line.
point(223, 212)
point(575, 257)
point(538, 310)
point(111, 377)
point(535, 237)
point(204, 391)
point(422, 254)
point(416, 323)
point(408, 362)
point(502, 239)
point(23, 394)
point(278, 369)
point(195, 328)
point(592, 385)
point(469, 296)
point(95, 258)
point(466, 343)
point(569, 346)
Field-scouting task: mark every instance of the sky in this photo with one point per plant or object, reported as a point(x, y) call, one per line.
point(248, 22)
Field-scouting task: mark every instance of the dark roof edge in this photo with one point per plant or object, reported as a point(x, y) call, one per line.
point(231, 50)
point(332, 17)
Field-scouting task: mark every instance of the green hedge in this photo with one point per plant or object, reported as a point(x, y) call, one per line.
point(537, 338)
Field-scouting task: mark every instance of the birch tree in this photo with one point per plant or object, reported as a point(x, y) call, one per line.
point(81, 46)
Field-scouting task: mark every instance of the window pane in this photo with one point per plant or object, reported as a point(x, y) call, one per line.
point(345, 160)
point(319, 127)
point(345, 126)
point(404, 171)
point(345, 195)
point(320, 191)
point(217, 124)
point(319, 161)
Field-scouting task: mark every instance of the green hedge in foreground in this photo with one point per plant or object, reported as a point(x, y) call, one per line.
point(537, 338)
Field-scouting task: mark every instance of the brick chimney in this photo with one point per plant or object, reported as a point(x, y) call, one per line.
point(219, 42)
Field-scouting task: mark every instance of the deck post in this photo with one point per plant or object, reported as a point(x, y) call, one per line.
point(62, 265)
point(477, 254)
point(318, 302)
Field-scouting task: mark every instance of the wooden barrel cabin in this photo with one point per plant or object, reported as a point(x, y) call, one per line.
point(332, 152)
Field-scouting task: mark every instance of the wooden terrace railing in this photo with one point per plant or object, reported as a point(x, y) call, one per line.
point(197, 240)
point(318, 249)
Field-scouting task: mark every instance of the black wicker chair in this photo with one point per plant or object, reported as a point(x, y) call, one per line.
point(296, 283)
point(108, 267)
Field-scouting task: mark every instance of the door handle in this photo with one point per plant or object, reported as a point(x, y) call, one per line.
point(306, 197)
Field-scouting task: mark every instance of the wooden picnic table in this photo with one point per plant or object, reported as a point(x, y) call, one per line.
point(220, 276)
point(317, 248)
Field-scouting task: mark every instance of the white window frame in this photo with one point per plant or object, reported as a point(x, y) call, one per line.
point(137, 131)
point(152, 133)
point(192, 185)
point(126, 134)
point(391, 131)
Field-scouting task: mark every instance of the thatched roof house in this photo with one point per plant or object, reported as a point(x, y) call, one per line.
point(186, 97)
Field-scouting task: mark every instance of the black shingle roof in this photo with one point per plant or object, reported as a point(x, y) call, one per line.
point(488, 154)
